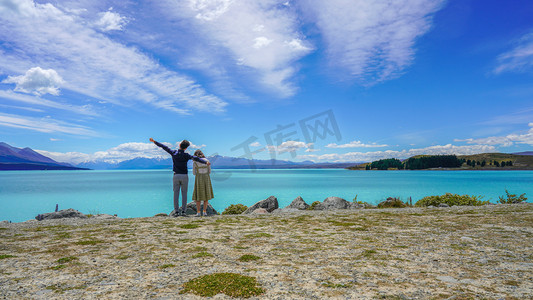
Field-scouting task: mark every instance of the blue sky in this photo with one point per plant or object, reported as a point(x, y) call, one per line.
point(93, 80)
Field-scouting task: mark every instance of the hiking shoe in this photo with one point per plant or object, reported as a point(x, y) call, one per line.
point(205, 214)
point(183, 214)
point(198, 215)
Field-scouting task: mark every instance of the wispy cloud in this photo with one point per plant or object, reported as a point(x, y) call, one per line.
point(372, 40)
point(356, 144)
point(45, 125)
point(506, 140)
point(258, 38)
point(90, 62)
point(519, 59)
point(376, 155)
point(87, 110)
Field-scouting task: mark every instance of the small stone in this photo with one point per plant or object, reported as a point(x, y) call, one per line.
point(443, 205)
point(260, 211)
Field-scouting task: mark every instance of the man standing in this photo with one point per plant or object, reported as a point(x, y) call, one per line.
point(180, 179)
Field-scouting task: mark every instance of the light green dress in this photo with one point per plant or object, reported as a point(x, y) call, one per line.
point(203, 190)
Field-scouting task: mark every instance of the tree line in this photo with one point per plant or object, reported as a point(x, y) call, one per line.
point(432, 161)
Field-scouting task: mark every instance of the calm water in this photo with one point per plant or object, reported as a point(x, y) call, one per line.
point(141, 193)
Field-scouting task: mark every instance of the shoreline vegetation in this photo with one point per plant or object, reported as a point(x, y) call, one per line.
point(484, 161)
point(460, 252)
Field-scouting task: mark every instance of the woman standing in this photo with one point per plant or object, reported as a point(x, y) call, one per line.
point(203, 191)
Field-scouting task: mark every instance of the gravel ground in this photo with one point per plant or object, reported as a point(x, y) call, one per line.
point(412, 253)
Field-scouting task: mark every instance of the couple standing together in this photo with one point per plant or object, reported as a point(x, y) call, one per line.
point(203, 191)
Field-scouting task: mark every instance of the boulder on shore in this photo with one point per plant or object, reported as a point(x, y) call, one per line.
point(62, 214)
point(334, 203)
point(191, 209)
point(298, 203)
point(270, 204)
point(260, 211)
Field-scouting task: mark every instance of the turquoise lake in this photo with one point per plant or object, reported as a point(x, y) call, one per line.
point(143, 193)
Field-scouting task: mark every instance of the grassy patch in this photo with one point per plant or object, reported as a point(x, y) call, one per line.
point(167, 266)
point(123, 257)
point(89, 242)
point(66, 259)
point(4, 256)
point(368, 253)
point(196, 249)
point(202, 254)
point(248, 257)
point(58, 267)
point(189, 226)
point(258, 235)
point(335, 285)
point(60, 290)
point(240, 247)
point(231, 284)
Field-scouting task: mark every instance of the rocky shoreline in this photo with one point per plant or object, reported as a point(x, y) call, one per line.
point(407, 253)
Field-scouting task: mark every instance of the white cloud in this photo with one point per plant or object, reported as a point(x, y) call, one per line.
point(376, 155)
point(519, 59)
point(45, 125)
point(37, 81)
point(192, 146)
point(372, 40)
point(289, 146)
point(83, 110)
point(255, 144)
point(91, 63)
point(356, 144)
point(257, 39)
point(111, 21)
point(260, 42)
point(505, 141)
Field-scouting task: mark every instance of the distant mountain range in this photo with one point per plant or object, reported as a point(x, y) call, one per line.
point(217, 162)
point(524, 153)
point(12, 158)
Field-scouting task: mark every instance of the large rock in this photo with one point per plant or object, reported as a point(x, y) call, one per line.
point(259, 211)
point(334, 203)
point(270, 204)
point(298, 203)
point(62, 214)
point(105, 217)
point(191, 209)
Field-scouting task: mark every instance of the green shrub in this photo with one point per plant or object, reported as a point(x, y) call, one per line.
point(512, 198)
point(451, 200)
point(392, 203)
point(235, 209)
point(313, 205)
point(231, 284)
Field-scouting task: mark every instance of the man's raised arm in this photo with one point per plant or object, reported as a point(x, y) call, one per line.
point(162, 146)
